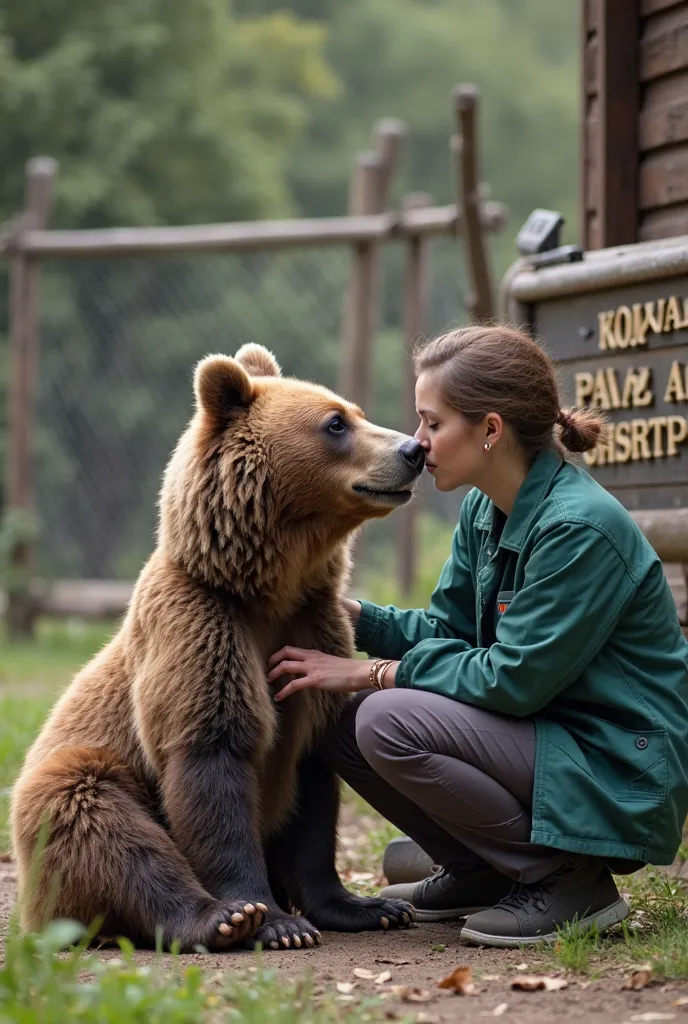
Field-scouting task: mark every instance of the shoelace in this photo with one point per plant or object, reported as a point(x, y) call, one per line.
point(520, 895)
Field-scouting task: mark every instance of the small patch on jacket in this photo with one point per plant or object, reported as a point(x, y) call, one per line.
point(504, 600)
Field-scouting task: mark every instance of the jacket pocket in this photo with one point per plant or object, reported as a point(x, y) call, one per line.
point(646, 751)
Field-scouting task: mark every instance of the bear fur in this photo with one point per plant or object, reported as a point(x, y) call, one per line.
point(178, 793)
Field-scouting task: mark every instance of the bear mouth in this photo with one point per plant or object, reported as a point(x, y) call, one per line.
point(383, 497)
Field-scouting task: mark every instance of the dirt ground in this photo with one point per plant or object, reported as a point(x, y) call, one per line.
point(410, 960)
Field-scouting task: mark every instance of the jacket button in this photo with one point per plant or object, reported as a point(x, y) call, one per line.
point(641, 743)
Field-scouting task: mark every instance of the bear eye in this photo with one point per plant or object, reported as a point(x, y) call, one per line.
point(336, 425)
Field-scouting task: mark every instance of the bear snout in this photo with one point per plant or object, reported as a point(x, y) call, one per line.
point(413, 454)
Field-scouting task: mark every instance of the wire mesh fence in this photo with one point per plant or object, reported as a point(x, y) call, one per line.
point(118, 343)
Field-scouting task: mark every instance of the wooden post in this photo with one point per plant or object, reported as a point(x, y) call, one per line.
point(357, 329)
point(369, 194)
point(609, 80)
point(40, 180)
point(464, 145)
point(415, 307)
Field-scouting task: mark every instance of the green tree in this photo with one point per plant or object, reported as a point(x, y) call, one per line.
point(402, 57)
point(159, 111)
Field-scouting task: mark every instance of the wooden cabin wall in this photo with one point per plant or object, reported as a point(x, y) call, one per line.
point(634, 180)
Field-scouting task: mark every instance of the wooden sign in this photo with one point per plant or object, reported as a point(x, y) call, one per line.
point(625, 352)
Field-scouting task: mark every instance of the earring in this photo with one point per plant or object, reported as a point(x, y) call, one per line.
point(487, 445)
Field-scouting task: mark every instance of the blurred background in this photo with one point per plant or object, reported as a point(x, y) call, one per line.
point(198, 111)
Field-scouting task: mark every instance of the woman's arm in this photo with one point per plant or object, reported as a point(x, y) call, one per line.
point(576, 588)
point(390, 632)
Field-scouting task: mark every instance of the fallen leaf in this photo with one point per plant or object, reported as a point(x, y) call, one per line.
point(388, 960)
point(383, 977)
point(683, 1001)
point(361, 876)
point(346, 999)
point(346, 987)
point(640, 978)
point(489, 977)
point(522, 967)
point(411, 994)
point(426, 1018)
point(499, 1010)
point(363, 972)
point(533, 982)
point(459, 981)
point(650, 1016)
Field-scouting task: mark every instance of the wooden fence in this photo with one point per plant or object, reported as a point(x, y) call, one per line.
point(27, 241)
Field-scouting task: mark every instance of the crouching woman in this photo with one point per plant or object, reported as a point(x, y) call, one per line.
point(530, 732)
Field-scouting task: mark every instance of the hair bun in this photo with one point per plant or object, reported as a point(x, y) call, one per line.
point(580, 428)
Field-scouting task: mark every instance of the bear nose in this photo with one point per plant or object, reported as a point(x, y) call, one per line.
point(412, 452)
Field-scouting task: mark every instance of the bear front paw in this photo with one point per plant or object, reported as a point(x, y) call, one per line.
point(361, 913)
point(285, 932)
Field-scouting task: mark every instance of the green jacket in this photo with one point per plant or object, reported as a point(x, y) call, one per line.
point(561, 613)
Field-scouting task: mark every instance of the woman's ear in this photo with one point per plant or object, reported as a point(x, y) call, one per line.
point(494, 427)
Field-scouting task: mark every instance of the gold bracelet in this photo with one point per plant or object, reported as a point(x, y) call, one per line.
point(383, 670)
point(377, 672)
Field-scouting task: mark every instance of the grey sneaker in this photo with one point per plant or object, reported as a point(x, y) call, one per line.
point(582, 896)
point(446, 897)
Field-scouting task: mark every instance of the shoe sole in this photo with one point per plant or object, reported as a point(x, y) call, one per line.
point(602, 920)
point(454, 914)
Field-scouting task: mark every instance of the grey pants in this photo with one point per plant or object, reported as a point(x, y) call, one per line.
point(456, 779)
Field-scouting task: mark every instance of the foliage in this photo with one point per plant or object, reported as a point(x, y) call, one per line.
point(656, 933)
point(194, 110)
point(402, 58)
point(40, 985)
point(158, 111)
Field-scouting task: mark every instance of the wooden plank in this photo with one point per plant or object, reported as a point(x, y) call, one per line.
point(663, 46)
point(591, 69)
point(619, 94)
point(648, 7)
point(242, 237)
point(591, 147)
point(663, 118)
point(664, 178)
point(669, 222)
point(591, 16)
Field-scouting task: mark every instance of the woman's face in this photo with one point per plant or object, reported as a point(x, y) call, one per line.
point(454, 447)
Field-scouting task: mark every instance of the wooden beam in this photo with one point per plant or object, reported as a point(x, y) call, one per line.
point(618, 122)
point(243, 237)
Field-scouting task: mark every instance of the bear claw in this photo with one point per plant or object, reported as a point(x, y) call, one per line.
point(281, 931)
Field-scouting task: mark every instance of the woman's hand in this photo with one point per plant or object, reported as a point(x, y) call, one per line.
point(319, 671)
point(352, 609)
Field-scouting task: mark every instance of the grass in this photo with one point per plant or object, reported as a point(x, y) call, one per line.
point(656, 933)
point(31, 677)
point(41, 985)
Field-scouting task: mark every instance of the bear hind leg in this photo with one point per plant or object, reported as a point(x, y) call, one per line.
point(107, 857)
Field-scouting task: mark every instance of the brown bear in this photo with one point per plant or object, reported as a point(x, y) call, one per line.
point(179, 794)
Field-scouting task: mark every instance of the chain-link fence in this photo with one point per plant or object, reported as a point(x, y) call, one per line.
point(118, 343)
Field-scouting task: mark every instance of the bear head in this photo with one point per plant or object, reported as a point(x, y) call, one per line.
point(272, 475)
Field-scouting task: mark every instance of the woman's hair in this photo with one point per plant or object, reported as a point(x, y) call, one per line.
point(499, 369)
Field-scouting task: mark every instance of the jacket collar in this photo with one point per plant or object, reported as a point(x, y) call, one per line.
point(534, 489)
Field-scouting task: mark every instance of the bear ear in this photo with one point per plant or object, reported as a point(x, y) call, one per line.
point(221, 386)
point(257, 361)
